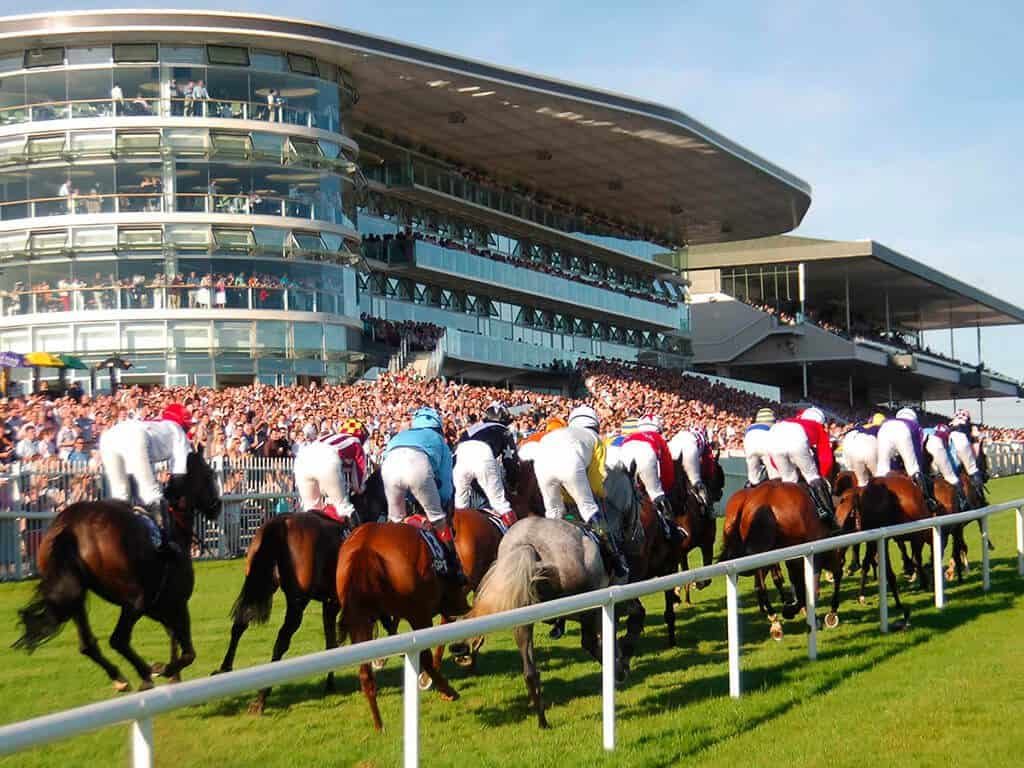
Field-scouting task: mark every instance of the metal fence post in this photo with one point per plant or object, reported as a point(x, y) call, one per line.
point(812, 607)
point(986, 576)
point(608, 673)
point(1020, 540)
point(142, 743)
point(411, 707)
point(938, 572)
point(732, 602)
point(883, 584)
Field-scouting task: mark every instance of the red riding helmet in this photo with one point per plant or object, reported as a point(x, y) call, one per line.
point(179, 414)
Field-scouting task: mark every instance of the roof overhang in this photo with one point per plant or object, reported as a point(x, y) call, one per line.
point(643, 165)
point(916, 296)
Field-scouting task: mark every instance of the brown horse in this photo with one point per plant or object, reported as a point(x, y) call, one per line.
point(774, 515)
point(103, 547)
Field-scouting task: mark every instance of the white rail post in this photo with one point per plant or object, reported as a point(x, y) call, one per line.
point(608, 673)
point(411, 707)
point(1020, 540)
point(733, 622)
point(938, 573)
point(883, 584)
point(986, 577)
point(812, 607)
point(142, 743)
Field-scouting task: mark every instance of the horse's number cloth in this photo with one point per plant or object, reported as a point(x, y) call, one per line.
point(435, 547)
point(150, 525)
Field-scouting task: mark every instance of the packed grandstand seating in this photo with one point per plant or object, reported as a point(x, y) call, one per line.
point(275, 421)
point(420, 336)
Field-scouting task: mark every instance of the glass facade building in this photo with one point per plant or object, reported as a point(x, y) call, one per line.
point(221, 198)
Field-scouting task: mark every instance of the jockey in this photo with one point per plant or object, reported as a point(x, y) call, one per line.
point(571, 460)
point(902, 437)
point(756, 448)
point(938, 450)
point(692, 448)
point(801, 447)
point(860, 448)
point(528, 446)
point(332, 467)
point(647, 450)
point(962, 439)
point(487, 454)
point(129, 450)
point(613, 445)
point(418, 462)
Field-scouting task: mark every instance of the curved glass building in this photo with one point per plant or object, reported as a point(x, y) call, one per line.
point(222, 197)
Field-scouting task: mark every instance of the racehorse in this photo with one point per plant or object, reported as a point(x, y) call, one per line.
point(104, 547)
point(543, 559)
point(975, 500)
point(297, 552)
point(774, 515)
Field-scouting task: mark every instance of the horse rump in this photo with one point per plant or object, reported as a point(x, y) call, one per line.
point(514, 580)
point(261, 574)
point(59, 593)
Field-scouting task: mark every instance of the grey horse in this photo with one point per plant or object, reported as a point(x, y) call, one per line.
point(542, 559)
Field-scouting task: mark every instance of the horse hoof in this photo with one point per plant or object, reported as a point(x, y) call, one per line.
point(862, 600)
point(459, 649)
point(256, 707)
point(827, 575)
point(621, 675)
point(950, 574)
point(122, 686)
point(146, 685)
point(831, 620)
point(449, 695)
point(157, 668)
point(703, 583)
point(378, 664)
point(219, 672)
point(464, 660)
point(426, 682)
point(776, 631)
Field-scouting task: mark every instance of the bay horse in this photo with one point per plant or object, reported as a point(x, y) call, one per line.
point(544, 558)
point(103, 547)
point(774, 515)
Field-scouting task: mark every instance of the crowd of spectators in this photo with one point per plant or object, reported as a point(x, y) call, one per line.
point(421, 337)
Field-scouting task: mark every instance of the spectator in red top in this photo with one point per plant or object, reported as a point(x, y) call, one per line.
point(802, 448)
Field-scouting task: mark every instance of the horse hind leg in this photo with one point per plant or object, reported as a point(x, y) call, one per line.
point(89, 648)
point(237, 630)
point(330, 621)
point(441, 684)
point(359, 633)
point(180, 627)
point(524, 640)
point(670, 617)
point(120, 641)
point(765, 604)
point(292, 622)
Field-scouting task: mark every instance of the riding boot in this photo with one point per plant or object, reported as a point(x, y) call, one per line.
point(599, 525)
point(665, 517)
point(445, 536)
point(822, 497)
point(704, 497)
point(924, 482)
point(978, 485)
point(157, 512)
point(961, 498)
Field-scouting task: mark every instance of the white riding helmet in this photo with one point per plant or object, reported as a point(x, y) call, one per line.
point(649, 422)
point(584, 416)
point(813, 414)
point(907, 413)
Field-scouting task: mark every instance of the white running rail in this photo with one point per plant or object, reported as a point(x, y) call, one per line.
point(139, 709)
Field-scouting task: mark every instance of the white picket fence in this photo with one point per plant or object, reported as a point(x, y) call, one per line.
point(139, 709)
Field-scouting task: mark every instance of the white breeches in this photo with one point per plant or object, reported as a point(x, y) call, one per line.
point(528, 451)
point(124, 451)
point(474, 461)
point(319, 473)
point(757, 450)
point(684, 447)
point(860, 451)
point(940, 459)
point(640, 454)
point(895, 439)
point(964, 451)
point(791, 453)
point(408, 471)
point(557, 471)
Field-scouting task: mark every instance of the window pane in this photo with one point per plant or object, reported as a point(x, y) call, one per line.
point(99, 54)
point(135, 52)
point(267, 145)
point(231, 145)
point(140, 238)
point(234, 239)
point(141, 89)
point(44, 57)
point(182, 54)
point(187, 141)
point(92, 142)
point(93, 238)
point(232, 335)
point(140, 186)
point(45, 147)
point(189, 335)
point(303, 65)
point(188, 236)
point(223, 54)
point(12, 97)
point(228, 89)
point(271, 337)
point(12, 149)
point(41, 243)
point(138, 142)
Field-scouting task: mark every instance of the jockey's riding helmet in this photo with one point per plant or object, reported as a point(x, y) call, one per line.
point(765, 416)
point(356, 428)
point(649, 422)
point(907, 414)
point(497, 413)
point(630, 425)
point(960, 417)
point(584, 416)
point(179, 414)
point(813, 414)
point(426, 418)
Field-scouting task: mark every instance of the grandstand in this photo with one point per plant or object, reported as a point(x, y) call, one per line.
point(837, 320)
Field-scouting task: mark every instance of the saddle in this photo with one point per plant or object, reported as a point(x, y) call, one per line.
point(147, 522)
point(438, 557)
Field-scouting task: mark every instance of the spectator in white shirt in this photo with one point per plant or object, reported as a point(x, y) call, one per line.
point(117, 98)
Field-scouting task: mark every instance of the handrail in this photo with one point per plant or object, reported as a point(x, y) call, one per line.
point(140, 708)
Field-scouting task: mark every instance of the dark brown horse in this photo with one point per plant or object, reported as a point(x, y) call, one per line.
point(774, 515)
point(103, 547)
point(385, 572)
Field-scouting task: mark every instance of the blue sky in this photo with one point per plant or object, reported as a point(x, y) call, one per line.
point(902, 116)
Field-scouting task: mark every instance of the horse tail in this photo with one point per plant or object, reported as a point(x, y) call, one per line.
point(261, 579)
point(761, 532)
point(513, 581)
point(732, 538)
point(58, 594)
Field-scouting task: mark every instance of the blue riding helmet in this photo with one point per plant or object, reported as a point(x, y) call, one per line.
point(426, 418)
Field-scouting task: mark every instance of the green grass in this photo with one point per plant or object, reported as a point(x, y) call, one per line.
point(947, 690)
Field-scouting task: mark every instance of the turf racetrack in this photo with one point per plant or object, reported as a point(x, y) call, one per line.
point(948, 691)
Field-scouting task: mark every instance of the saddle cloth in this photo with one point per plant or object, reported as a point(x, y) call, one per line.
point(438, 555)
point(149, 524)
point(495, 521)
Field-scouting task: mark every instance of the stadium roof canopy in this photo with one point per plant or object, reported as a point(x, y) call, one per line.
point(634, 162)
point(918, 296)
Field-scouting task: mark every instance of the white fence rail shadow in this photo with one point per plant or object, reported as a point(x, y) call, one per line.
point(139, 709)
